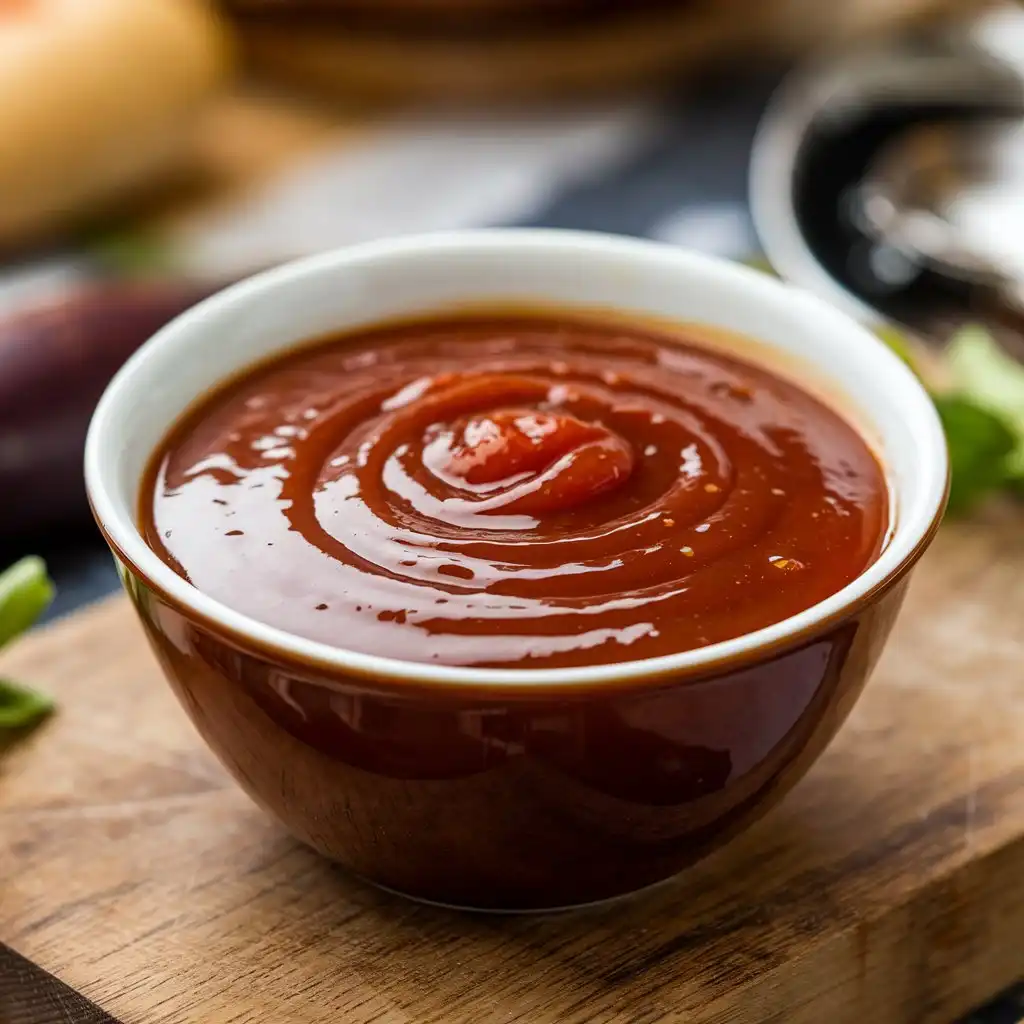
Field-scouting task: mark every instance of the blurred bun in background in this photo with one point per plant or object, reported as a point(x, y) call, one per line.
point(97, 99)
point(398, 50)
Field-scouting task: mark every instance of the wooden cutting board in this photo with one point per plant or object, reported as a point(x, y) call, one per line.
point(888, 888)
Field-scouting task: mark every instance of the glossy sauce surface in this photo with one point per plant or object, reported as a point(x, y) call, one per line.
point(516, 491)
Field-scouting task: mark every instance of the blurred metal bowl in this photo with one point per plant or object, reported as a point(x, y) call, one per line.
point(821, 138)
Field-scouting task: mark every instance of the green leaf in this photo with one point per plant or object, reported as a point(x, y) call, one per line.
point(982, 371)
point(21, 708)
point(25, 593)
point(980, 446)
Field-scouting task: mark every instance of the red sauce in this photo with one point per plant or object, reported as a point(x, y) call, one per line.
point(515, 491)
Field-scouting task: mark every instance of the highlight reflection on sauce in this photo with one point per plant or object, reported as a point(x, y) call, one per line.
point(515, 491)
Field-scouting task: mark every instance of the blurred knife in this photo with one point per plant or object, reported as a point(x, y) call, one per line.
point(28, 995)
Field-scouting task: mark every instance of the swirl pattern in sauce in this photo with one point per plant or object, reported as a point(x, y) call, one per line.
point(515, 491)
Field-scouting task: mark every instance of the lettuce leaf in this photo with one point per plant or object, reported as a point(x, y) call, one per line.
point(25, 593)
point(980, 446)
point(984, 373)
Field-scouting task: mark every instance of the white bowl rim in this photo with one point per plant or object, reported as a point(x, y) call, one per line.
point(916, 523)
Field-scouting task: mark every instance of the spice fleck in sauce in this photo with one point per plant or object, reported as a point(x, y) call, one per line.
point(515, 491)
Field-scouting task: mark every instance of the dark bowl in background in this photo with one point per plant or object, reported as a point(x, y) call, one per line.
point(820, 133)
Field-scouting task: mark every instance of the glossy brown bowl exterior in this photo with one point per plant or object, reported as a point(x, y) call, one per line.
point(494, 798)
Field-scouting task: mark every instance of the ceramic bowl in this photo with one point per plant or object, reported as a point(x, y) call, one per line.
point(515, 789)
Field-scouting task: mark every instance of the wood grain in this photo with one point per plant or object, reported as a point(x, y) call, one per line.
point(889, 887)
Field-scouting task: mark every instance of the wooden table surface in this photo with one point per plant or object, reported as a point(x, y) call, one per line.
point(889, 887)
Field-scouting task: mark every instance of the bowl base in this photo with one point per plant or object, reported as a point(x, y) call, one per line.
point(605, 901)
